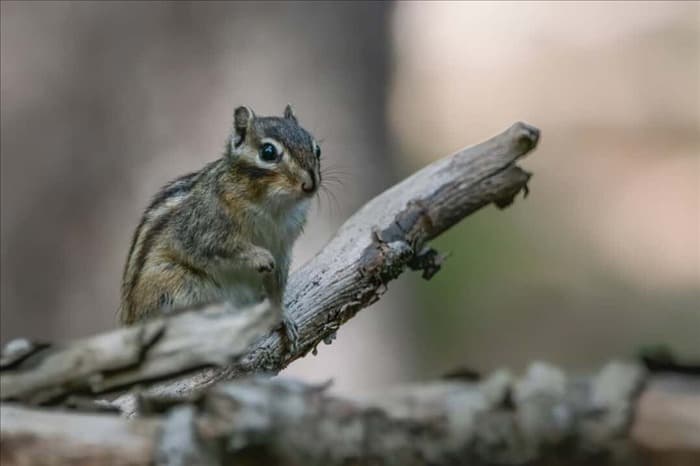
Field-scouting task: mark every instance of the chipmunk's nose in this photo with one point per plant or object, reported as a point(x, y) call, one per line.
point(309, 183)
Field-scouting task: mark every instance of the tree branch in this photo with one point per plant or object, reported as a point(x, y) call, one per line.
point(163, 347)
point(546, 415)
point(351, 272)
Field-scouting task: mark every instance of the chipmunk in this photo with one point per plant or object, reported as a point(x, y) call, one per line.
point(225, 232)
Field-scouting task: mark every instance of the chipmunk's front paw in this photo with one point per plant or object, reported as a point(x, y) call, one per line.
point(262, 261)
point(291, 331)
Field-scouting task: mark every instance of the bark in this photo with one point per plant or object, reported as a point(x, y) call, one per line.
point(545, 416)
point(164, 347)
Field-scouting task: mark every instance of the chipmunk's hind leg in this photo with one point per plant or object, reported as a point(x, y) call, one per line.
point(173, 287)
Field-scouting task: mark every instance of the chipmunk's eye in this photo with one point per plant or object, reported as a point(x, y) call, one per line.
point(317, 151)
point(269, 153)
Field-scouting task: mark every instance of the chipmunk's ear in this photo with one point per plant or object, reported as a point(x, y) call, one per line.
point(242, 121)
point(289, 113)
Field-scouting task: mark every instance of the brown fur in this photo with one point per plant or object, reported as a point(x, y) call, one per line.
point(237, 217)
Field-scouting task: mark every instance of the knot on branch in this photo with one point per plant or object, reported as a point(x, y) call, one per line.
point(521, 178)
point(394, 247)
point(429, 261)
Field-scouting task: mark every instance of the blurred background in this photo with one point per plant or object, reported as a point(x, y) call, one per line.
point(103, 103)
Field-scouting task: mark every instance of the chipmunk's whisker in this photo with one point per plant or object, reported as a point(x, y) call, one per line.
point(335, 170)
point(332, 180)
point(330, 195)
point(334, 173)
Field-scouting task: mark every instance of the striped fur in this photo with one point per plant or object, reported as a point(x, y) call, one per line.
point(210, 235)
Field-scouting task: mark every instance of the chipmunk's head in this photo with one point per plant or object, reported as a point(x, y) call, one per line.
point(274, 156)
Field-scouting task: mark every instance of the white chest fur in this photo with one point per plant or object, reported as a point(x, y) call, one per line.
point(275, 229)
